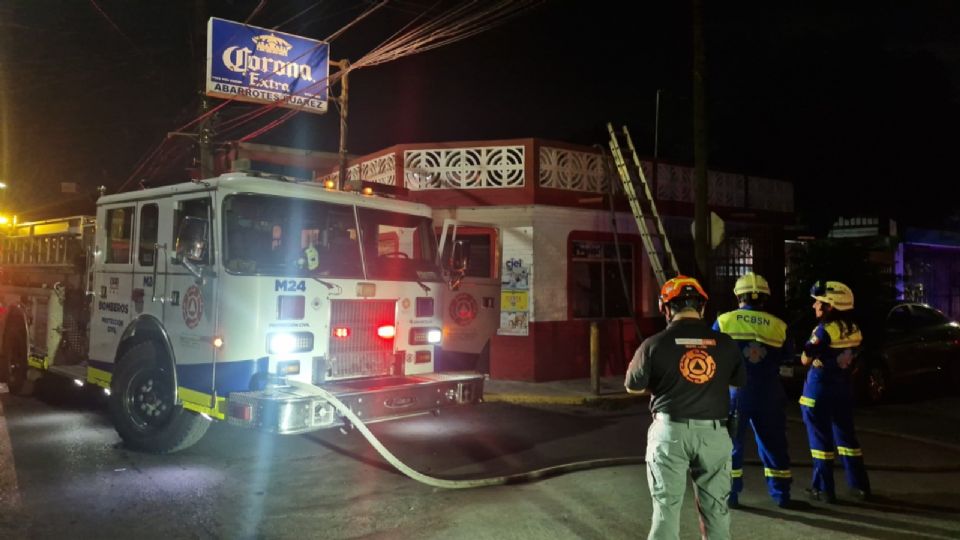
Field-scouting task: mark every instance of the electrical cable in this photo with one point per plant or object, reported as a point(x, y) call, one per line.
point(616, 243)
point(447, 28)
point(113, 24)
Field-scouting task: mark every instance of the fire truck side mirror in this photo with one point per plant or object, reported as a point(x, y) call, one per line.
point(457, 265)
point(458, 259)
point(192, 240)
point(191, 245)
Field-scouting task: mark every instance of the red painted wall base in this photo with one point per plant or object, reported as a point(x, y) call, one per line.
point(560, 350)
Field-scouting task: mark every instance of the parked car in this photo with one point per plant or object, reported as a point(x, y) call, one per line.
point(916, 346)
point(913, 346)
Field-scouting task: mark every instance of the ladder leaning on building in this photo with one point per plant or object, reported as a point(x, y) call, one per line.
point(655, 242)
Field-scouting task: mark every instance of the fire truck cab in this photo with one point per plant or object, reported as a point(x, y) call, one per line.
point(232, 298)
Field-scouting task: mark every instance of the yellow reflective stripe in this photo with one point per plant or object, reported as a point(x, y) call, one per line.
point(200, 402)
point(744, 324)
point(38, 362)
point(842, 342)
point(820, 454)
point(736, 473)
point(99, 377)
point(853, 452)
point(777, 473)
point(809, 402)
point(753, 336)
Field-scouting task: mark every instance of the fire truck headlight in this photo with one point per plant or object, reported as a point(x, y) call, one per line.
point(282, 343)
point(289, 342)
point(422, 336)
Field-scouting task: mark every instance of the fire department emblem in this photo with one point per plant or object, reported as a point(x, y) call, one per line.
point(192, 306)
point(697, 366)
point(754, 352)
point(463, 309)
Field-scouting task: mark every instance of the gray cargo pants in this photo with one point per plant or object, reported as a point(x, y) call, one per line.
point(703, 447)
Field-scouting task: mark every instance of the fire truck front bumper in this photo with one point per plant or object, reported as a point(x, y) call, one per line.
point(299, 407)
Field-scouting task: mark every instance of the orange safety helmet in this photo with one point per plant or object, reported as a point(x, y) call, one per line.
point(682, 288)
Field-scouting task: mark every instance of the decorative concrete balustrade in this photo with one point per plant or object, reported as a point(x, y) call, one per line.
point(507, 164)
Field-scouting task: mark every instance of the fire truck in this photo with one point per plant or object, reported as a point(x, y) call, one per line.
point(233, 298)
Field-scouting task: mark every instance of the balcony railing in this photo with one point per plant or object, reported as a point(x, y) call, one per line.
point(499, 167)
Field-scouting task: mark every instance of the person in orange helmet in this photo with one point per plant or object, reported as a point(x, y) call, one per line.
point(688, 369)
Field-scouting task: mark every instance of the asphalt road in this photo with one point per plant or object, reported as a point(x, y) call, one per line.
point(65, 475)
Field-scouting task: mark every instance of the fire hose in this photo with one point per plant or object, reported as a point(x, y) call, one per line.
point(564, 468)
point(516, 478)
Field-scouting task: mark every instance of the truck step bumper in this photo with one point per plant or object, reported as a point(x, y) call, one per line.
point(294, 409)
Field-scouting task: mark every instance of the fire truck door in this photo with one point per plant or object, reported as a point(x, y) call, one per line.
point(113, 305)
point(189, 309)
point(471, 313)
point(153, 249)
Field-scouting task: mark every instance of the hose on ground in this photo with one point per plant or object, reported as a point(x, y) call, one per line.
point(538, 474)
point(468, 483)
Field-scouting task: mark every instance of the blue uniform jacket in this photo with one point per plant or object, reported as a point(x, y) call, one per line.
point(762, 339)
point(835, 350)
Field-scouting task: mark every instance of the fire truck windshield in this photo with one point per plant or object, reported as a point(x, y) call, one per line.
point(269, 235)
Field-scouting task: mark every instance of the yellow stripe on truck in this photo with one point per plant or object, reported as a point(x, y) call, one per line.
point(200, 402)
point(99, 377)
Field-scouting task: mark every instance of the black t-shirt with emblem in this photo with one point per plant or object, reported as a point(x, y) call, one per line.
point(688, 368)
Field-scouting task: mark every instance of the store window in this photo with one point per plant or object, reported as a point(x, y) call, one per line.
point(735, 258)
point(596, 286)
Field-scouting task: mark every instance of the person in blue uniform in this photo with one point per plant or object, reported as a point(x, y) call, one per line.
point(687, 369)
point(826, 403)
point(762, 339)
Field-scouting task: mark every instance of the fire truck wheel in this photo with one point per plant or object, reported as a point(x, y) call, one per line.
point(14, 363)
point(143, 408)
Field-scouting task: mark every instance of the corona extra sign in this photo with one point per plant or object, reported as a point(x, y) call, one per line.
point(258, 65)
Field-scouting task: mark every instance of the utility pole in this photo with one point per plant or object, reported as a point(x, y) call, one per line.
point(343, 105)
point(205, 140)
point(701, 214)
point(205, 132)
point(656, 143)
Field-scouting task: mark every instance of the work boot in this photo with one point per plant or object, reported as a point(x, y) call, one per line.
point(821, 496)
point(789, 504)
point(860, 494)
point(733, 501)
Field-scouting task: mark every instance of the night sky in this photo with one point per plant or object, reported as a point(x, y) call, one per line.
point(857, 103)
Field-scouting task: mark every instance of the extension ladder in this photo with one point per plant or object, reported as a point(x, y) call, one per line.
point(656, 243)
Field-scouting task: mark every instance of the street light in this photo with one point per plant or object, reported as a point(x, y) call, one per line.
point(5, 219)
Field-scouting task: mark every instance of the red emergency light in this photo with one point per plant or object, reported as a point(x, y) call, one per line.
point(341, 332)
point(387, 331)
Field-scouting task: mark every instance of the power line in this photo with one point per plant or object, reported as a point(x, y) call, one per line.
point(453, 25)
point(114, 25)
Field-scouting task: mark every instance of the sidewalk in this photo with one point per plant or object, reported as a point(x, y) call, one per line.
point(566, 392)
